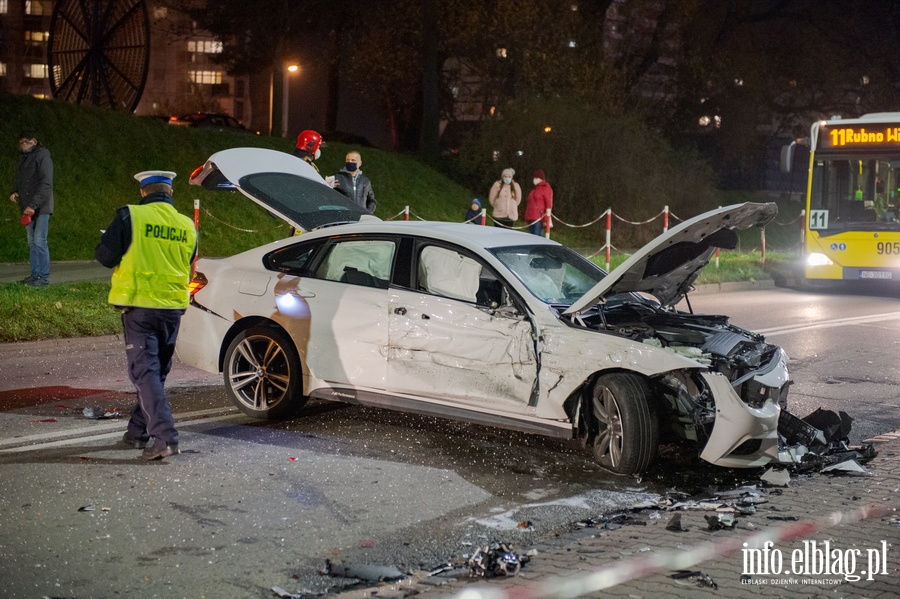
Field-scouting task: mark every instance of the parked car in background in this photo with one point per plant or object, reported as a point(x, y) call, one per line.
point(481, 324)
point(209, 119)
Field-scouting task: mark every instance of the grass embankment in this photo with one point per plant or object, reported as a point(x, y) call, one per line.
point(96, 154)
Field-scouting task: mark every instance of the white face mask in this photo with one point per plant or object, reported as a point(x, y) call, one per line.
point(507, 180)
point(536, 181)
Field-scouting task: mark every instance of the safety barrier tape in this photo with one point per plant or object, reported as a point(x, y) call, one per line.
point(605, 578)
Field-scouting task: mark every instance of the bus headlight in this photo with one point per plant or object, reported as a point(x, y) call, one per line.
point(818, 260)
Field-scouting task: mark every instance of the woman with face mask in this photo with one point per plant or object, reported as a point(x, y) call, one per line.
point(505, 197)
point(540, 199)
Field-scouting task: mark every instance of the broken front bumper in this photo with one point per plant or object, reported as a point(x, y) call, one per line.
point(742, 436)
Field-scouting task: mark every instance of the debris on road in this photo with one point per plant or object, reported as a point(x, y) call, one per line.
point(496, 559)
point(99, 413)
point(776, 477)
point(820, 443)
point(675, 524)
point(282, 594)
point(699, 578)
point(365, 572)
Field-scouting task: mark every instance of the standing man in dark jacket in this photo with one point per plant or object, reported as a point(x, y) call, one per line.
point(34, 193)
point(151, 246)
point(351, 182)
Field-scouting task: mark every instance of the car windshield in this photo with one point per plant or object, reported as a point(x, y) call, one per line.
point(554, 274)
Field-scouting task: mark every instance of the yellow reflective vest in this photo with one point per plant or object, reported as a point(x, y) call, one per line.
point(156, 268)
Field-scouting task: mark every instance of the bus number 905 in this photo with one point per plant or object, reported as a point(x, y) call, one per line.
point(890, 247)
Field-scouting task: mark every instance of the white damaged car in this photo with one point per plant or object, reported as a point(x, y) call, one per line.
point(480, 324)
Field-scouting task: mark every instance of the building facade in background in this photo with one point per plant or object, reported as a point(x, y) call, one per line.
point(183, 75)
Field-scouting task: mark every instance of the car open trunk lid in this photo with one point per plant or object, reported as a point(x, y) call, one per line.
point(283, 184)
point(667, 266)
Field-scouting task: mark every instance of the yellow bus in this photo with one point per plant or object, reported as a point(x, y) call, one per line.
point(852, 226)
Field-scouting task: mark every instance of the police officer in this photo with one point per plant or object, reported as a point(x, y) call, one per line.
point(151, 247)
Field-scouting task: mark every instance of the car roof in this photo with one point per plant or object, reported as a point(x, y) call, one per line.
point(455, 232)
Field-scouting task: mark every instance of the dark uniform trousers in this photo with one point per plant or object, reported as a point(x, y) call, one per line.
point(150, 335)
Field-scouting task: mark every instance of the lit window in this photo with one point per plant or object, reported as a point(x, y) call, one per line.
point(739, 82)
point(2, 66)
point(864, 80)
point(36, 71)
point(160, 12)
point(38, 7)
point(572, 44)
point(4, 8)
point(704, 121)
point(501, 52)
point(548, 129)
point(205, 46)
point(495, 155)
point(37, 37)
point(206, 77)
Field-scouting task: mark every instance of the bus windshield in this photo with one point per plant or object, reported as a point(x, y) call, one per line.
point(858, 192)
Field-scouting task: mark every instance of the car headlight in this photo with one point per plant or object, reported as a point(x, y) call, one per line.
point(816, 259)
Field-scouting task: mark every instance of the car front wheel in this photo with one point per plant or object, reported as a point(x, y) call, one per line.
point(262, 374)
point(627, 429)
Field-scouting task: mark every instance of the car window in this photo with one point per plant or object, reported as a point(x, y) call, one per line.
point(553, 274)
point(448, 273)
point(293, 259)
point(358, 262)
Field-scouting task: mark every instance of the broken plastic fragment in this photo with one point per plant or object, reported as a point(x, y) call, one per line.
point(675, 524)
point(776, 477)
point(850, 466)
point(98, 413)
point(494, 560)
point(87, 508)
point(699, 578)
point(362, 571)
point(720, 521)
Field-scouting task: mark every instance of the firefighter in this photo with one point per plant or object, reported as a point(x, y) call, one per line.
point(308, 147)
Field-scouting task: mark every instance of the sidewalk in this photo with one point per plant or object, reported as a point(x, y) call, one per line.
point(60, 272)
point(638, 559)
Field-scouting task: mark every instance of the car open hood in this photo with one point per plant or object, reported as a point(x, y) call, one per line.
point(283, 184)
point(667, 266)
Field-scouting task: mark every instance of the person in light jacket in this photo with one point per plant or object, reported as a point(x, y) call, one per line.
point(505, 197)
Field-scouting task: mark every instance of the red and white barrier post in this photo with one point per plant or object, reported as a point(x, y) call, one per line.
point(608, 236)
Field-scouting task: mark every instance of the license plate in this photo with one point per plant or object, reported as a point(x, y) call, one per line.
point(875, 274)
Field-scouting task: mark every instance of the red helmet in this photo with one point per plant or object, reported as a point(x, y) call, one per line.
point(309, 141)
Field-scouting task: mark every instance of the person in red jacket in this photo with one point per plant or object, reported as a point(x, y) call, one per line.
point(540, 199)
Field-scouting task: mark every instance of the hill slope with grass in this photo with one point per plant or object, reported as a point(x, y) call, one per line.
point(96, 153)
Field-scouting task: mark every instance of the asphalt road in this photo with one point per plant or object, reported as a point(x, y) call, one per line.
point(252, 505)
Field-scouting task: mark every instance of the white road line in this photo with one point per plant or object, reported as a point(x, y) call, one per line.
point(835, 322)
point(117, 426)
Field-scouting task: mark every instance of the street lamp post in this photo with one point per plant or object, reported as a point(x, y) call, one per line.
point(290, 68)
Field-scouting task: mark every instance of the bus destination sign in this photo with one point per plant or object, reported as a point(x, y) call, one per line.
point(836, 136)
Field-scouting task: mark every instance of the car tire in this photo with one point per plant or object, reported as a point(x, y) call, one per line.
point(263, 375)
point(627, 433)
